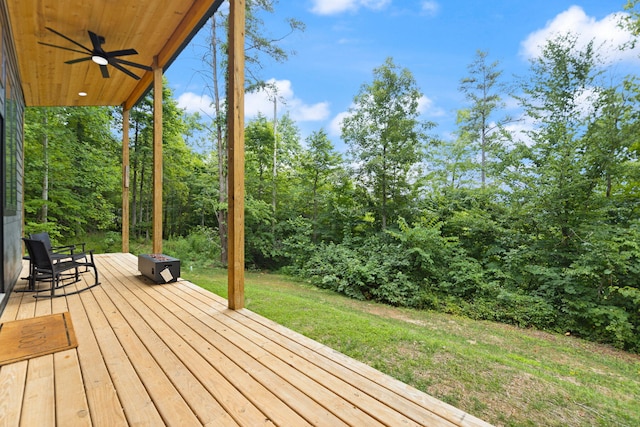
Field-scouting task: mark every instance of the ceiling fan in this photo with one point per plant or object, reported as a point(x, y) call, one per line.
point(99, 55)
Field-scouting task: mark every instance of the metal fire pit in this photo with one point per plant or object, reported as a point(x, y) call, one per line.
point(159, 267)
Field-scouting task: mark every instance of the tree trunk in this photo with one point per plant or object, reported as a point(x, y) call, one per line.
point(134, 183)
point(274, 191)
point(384, 188)
point(142, 198)
point(45, 178)
point(314, 221)
point(221, 213)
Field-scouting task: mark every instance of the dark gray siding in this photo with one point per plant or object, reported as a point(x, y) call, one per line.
point(11, 124)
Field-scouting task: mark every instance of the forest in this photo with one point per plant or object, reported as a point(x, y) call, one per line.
point(538, 228)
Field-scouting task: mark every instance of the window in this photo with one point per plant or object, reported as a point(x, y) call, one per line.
point(11, 134)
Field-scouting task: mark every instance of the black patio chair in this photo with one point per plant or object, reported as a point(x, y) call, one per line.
point(45, 269)
point(58, 253)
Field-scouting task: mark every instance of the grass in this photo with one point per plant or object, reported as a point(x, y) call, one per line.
point(504, 375)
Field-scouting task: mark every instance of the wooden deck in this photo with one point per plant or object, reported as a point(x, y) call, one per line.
point(174, 354)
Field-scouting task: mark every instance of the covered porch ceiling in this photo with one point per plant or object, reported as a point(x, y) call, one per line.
point(154, 28)
point(158, 30)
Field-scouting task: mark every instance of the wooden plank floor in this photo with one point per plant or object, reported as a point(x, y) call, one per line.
point(175, 355)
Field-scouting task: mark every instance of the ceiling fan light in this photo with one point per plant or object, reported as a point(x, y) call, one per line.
point(100, 60)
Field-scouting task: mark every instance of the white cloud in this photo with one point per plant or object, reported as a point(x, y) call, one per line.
point(345, 40)
point(335, 127)
point(257, 103)
point(520, 128)
point(194, 103)
point(522, 124)
point(310, 113)
point(332, 7)
point(606, 34)
point(427, 108)
point(262, 102)
point(430, 7)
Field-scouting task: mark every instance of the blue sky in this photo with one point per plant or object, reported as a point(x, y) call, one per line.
point(436, 40)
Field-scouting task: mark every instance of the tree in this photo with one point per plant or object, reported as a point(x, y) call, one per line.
point(258, 47)
point(576, 247)
point(482, 89)
point(319, 161)
point(141, 140)
point(386, 138)
point(261, 185)
point(71, 172)
point(259, 142)
point(288, 151)
point(452, 162)
point(632, 21)
point(179, 166)
point(560, 96)
point(612, 138)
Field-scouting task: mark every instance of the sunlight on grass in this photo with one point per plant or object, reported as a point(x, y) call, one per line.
point(504, 375)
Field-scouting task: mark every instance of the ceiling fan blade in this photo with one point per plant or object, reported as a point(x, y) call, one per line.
point(95, 41)
point(62, 47)
point(124, 70)
point(131, 64)
point(105, 71)
point(123, 52)
point(75, 61)
point(67, 38)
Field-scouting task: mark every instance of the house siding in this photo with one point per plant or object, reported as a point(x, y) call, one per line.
point(11, 134)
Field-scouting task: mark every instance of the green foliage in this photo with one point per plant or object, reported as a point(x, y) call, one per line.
point(198, 249)
point(335, 267)
point(259, 237)
point(373, 270)
point(71, 164)
point(49, 227)
point(385, 139)
point(479, 131)
point(319, 171)
point(99, 242)
point(540, 232)
point(297, 247)
point(516, 308)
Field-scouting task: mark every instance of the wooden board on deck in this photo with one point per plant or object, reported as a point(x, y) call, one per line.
point(174, 353)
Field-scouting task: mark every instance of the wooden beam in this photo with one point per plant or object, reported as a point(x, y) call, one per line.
point(157, 157)
point(125, 180)
point(198, 13)
point(235, 132)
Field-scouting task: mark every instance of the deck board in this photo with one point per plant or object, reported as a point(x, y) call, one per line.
point(174, 354)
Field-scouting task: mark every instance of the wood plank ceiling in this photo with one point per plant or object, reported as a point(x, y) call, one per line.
point(154, 28)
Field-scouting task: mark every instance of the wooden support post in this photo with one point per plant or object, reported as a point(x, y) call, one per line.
point(157, 157)
point(125, 180)
point(235, 147)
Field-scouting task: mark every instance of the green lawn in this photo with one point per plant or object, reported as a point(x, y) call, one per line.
point(504, 375)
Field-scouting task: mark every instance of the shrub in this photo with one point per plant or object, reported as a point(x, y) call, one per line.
point(200, 248)
point(374, 269)
point(514, 308)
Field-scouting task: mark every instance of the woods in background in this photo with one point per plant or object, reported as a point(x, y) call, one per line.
point(532, 221)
